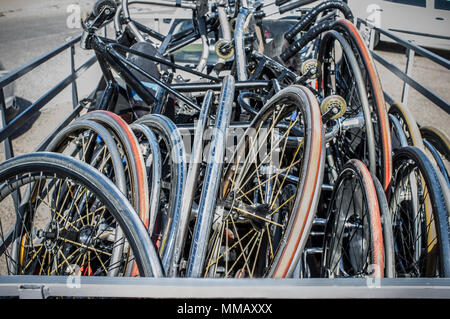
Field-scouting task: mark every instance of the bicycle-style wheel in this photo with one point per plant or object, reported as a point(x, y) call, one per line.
point(173, 172)
point(376, 99)
point(419, 217)
point(438, 144)
point(408, 124)
point(353, 240)
point(71, 232)
point(92, 143)
point(134, 162)
point(342, 75)
point(269, 191)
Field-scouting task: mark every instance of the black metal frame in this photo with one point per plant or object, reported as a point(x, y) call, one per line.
point(10, 128)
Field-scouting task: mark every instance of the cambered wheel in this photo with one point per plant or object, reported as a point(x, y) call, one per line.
point(353, 240)
point(419, 217)
point(270, 191)
point(67, 222)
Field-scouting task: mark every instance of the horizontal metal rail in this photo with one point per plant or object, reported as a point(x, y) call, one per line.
point(430, 95)
point(428, 35)
point(14, 75)
point(23, 117)
point(424, 52)
point(127, 287)
point(411, 48)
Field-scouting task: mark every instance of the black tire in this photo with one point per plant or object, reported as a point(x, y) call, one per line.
point(342, 75)
point(438, 139)
point(421, 231)
point(353, 243)
point(386, 225)
point(29, 171)
point(174, 172)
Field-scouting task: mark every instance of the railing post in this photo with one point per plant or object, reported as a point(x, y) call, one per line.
point(74, 83)
point(7, 145)
point(409, 65)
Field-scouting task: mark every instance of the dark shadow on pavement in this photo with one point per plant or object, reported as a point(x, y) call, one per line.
point(22, 104)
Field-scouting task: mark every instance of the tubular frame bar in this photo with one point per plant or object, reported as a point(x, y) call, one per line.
point(430, 95)
point(423, 52)
point(126, 287)
point(14, 75)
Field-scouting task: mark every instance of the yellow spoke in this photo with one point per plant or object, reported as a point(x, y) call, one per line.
point(101, 262)
point(265, 157)
point(270, 241)
point(226, 245)
point(279, 207)
point(76, 200)
point(245, 169)
point(49, 263)
point(32, 258)
point(268, 180)
point(86, 247)
point(259, 217)
point(216, 248)
point(260, 188)
point(257, 252)
point(105, 159)
point(43, 258)
point(246, 160)
point(70, 256)
point(229, 249)
point(64, 259)
point(284, 179)
point(245, 195)
point(58, 214)
point(242, 254)
point(84, 146)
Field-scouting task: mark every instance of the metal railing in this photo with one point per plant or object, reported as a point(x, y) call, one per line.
point(9, 128)
point(405, 76)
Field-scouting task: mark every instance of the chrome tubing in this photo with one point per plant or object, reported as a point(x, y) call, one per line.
point(213, 173)
point(205, 54)
point(191, 183)
point(133, 28)
point(239, 45)
point(224, 26)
